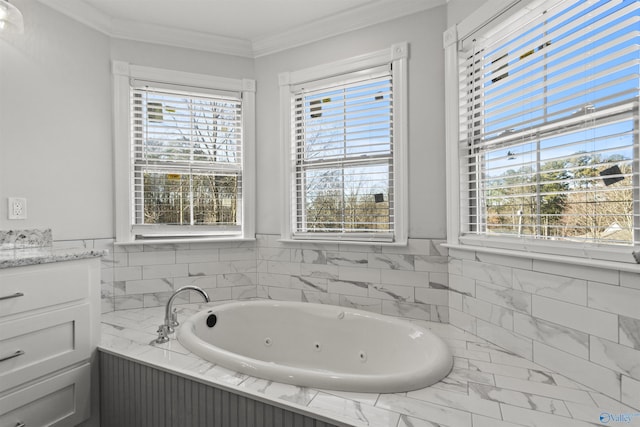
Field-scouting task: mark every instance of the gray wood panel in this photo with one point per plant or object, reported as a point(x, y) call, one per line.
point(135, 395)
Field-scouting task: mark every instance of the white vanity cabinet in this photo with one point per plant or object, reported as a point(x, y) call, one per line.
point(49, 330)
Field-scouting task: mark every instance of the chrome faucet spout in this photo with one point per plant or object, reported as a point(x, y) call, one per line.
point(171, 317)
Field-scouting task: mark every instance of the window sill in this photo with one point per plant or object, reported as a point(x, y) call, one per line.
point(183, 240)
point(343, 242)
point(574, 259)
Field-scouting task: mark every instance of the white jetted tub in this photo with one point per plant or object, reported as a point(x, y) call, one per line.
point(319, 346)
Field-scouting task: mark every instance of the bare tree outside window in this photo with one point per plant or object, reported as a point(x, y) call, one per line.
point(187, 158)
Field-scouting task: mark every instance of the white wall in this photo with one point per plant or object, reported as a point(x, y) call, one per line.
point(55, 125)
point(55, 117)
point(188, 60)
point(423, 31)
point(457, 10)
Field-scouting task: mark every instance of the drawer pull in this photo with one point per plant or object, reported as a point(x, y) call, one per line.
point(11, 356)
point(20, 424)
point(16, 295)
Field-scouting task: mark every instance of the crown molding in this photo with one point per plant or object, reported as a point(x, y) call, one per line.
point(149, 33)
point(354, 19)
point(152, 33)
point(376, 12)
point(82, 12)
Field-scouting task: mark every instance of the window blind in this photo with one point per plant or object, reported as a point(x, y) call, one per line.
point(342, 156)
point(186, 151)
point(549, 125)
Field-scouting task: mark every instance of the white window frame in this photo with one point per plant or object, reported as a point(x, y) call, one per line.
point(123, 72)
point(490, 18)
point(397, 56)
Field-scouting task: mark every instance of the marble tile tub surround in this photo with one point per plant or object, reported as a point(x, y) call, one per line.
point(583, 321)
point(408, 281)
point(488, 387)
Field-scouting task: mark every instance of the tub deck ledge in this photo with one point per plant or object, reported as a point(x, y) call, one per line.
point(488, 386)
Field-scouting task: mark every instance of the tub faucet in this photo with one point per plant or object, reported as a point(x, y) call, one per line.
point(171, 316)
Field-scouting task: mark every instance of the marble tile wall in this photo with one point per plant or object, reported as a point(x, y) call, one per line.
point(581, 321)
point(137, 276)
point(409, 281)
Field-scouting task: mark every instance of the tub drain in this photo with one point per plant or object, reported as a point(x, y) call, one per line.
point(362, 356)
point(317, 346)
point(267, 342)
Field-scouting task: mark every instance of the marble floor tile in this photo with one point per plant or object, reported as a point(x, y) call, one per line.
point(513, 360)
point(365, 398)
point(610, 404)
point(482, 421)
point(470, 375)
point(453, 385)
point(456, 343)
point(355, 411)
point(476, 404)
point(563, 381)
point(425, 410)
point(407, 421)
point(511, 371)
point(518, 398)
point(209, 371)
point(531, 418)
point(541, 389)
point(471, 354)
point(460, 363)
point(290, 393)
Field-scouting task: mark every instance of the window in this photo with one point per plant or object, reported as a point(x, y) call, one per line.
point(548, 124)
point(345, 150)
point(185, 144)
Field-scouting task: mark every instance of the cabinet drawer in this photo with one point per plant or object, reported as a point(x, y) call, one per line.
point(29, 288)
point(36, 345)
point(62, 400)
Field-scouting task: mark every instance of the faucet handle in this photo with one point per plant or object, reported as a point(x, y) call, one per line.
point(174, 318)
point(163, 334)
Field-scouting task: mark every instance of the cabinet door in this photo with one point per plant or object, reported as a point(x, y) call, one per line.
point(62, 400)
point(33, 346)
point(23, 289)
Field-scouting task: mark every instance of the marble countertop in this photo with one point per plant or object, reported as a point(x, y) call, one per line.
point(488, 387)
point(42, 255)
point(35, 246)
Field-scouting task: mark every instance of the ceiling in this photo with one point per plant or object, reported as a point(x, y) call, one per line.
point(249, 28)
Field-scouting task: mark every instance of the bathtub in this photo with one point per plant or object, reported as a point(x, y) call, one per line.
point(319, 346)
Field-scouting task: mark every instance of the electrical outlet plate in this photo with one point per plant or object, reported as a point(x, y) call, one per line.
point(17, 208)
